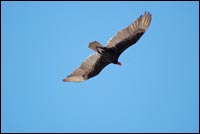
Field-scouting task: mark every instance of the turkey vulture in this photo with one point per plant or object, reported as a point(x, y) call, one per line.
point(110, 54)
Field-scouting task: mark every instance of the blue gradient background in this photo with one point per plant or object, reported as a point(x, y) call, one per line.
point(156, 89)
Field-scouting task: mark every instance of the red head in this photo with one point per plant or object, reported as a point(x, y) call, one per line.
point(119, 63)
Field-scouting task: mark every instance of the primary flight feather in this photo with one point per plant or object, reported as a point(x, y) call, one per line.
point(111, 52)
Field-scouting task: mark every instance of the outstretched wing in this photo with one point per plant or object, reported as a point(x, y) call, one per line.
point(129, 35)
point(89, 68)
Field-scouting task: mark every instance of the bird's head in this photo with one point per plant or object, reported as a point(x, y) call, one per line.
point(118, 63)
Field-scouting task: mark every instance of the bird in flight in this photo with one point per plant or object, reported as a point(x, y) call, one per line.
point(103, 56)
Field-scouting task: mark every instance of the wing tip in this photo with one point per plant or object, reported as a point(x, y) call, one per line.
point(147, 13)
point(74, 79)
point(145, 20)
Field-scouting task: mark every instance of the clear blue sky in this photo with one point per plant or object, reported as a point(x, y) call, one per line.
point(156, 89)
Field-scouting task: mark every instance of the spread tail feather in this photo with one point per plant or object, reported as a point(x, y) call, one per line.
point(93, 45)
